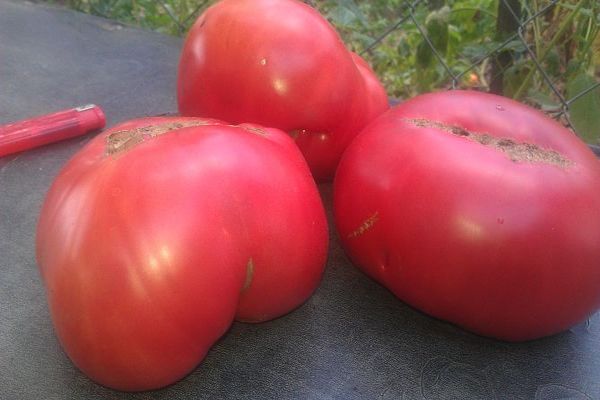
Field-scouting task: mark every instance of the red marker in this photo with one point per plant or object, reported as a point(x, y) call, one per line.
point(34, 132)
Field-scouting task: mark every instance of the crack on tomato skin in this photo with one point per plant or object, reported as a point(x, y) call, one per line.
point(515, 151)
point(124, 140)
point(365, 226)
point(121, 141)
point(249, 274)
point(251, 129)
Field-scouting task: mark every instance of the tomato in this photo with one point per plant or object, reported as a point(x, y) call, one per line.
point(278, 63)
point(161, 231)
point(477, 210)
point(376, 98)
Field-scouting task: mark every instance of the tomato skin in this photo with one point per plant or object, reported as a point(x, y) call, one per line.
point(507, 249)
point(277, 63)
point(144, 253)
point(376, 98)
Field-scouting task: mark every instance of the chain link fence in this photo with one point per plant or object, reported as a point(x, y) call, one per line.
point(520, 61)
point(542, 52)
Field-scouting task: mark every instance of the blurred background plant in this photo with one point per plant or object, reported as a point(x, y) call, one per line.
point(543, 52)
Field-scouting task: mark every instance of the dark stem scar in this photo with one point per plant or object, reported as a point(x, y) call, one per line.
point(365, 226)
point(124, 140)
point(515, 151)
point(249, 274)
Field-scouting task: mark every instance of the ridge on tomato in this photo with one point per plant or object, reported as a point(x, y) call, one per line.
point(279, 63)
point(477, 210)
point(161, 231)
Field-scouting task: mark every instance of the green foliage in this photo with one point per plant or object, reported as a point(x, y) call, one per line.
point(565, 43)
point(397, 37)
point(584, 110)
point(459, 30)
point(172, 17)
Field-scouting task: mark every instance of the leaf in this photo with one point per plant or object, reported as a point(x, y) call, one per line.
point(346, 13)
point(553, 62)
point(514, 77)
point(424, 55)
point(596, 51)
point(478, 51)
point(351, 6)
point(342, 15)
point(543, 100)
point(574, 68)
point(515, 45)
point(437, 29)
point(585, 111)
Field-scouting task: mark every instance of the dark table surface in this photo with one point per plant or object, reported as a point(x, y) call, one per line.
point(352, 339)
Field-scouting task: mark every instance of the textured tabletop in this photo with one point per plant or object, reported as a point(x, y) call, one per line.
point(352, 340)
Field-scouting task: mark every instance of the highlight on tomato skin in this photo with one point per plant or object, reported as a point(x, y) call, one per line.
point(477, 210)
point(279, 63)
point(161, 231)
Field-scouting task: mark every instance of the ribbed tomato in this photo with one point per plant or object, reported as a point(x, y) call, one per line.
point(161, 230)
point(477, 210)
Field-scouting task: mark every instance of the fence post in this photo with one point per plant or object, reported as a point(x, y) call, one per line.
point(507, 24)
